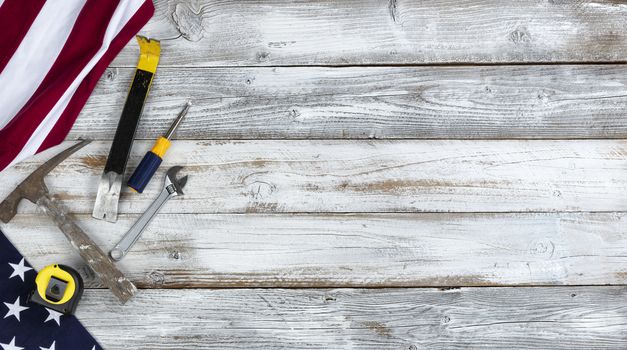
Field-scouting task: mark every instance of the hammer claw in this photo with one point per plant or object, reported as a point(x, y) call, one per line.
point(8, 208)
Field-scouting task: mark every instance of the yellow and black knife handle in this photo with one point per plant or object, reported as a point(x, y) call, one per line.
point(150, 51)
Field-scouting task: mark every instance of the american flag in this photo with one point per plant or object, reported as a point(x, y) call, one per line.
point(52, 53)
point(24, 325)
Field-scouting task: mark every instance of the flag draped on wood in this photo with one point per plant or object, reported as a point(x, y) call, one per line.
point(52, 53)
point(25, 325)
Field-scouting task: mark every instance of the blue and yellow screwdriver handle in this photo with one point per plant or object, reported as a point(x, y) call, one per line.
point(152, 160)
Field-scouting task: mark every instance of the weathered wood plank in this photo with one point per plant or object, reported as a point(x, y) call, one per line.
point(467, 318)
point(349, 32)
point(368, 250)
point(375, 102)
point(358, 176)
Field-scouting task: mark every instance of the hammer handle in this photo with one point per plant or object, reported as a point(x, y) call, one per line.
point(97, 260)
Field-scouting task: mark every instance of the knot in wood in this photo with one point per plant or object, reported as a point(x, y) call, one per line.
point(111, 74)
point(156, 278)
point(188, 22)
point(520, 35)
point(542, 247)
point(260, 190)
point(262, 56)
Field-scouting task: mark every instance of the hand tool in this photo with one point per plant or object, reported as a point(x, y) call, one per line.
point(172, 188)
point(106, 206)
point(58, 287)
point(151, 161)
point(34, 189)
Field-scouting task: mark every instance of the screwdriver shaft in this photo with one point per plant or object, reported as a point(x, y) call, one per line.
point(178, 120)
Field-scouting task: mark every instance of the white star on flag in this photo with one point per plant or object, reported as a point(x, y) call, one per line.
point(15, 309)
point(52, 347)
point(10, 346)
point(19, 269)
point(53, 315)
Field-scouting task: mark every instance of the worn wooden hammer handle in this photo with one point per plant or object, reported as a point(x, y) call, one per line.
point(97, 260)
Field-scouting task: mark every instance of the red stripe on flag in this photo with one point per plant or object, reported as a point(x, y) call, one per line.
point(16, 17)
point(62, 128)
point(79, 48)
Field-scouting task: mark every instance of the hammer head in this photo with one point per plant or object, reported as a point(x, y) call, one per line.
point(33, 188)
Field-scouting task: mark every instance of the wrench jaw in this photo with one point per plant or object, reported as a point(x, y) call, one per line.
point(170, 180)
point(178, 185)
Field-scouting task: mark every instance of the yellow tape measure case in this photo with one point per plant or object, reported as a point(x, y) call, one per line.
point(58, 287)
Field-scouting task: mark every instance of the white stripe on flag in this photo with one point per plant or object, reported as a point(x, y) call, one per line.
point(123, 13)
point(36, 54)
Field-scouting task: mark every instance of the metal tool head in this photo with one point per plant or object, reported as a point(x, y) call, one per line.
point(108, 197)
point(170, 179)
point(33, 187)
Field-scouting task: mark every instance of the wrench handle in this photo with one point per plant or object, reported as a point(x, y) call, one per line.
point(132, 236)
point(97, 260)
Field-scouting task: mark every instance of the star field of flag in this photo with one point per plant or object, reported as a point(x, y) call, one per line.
point(24, 325)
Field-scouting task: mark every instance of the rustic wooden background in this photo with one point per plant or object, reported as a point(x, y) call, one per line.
point(366, 174)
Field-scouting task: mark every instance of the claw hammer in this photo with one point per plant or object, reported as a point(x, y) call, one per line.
point(34, 189)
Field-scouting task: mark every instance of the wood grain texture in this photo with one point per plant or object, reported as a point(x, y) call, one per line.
point(468, 318)
point(355, 32)
point(424, 213)
point(368, 250)
point(371, 176)
point(527, 102)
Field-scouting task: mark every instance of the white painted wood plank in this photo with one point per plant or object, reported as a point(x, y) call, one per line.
point(368, 250)
point(374, 102)
point(468, 318)
point(371, 176)
point(349, 32)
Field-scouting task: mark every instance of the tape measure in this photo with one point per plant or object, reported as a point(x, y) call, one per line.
point(58, 287)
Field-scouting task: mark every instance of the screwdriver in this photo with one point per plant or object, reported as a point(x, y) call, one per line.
point(151, 161)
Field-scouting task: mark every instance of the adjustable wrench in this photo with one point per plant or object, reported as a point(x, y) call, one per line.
point(172, 188)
